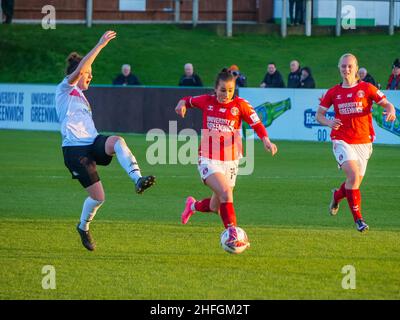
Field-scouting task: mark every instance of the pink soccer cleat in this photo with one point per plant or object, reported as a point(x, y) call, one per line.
point(188, 212)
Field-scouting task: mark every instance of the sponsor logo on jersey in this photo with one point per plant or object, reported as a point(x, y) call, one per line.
point(350, 107)
point(210, 108)
point(349, 95)
point(234, 111)
point(220, 124)
point(360, 94)
point(254, 117)
point(222, 110)
point(339, 96)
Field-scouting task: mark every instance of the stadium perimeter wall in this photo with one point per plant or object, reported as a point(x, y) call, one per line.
point(289, 114)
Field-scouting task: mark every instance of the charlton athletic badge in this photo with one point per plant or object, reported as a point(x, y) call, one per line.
point(360, 94)
point(235, 111)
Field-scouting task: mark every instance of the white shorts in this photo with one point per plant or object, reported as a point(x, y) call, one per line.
point(229, 169)
point(357, 152)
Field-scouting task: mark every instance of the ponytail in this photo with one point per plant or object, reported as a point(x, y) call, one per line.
point(73, 61)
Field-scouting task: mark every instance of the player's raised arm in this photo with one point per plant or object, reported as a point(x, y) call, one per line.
point(87, 60)
point(180, 108)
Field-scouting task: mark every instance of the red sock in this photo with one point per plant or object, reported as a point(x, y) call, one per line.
point(354, 200)
point(203, 205)
point(227, 212)
point(340, 193)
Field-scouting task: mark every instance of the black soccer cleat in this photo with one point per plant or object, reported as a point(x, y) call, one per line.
point(86, 238)
point(144, 182)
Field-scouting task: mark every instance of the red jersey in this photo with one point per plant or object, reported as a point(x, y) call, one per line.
point(221, 139)
point(353, 107)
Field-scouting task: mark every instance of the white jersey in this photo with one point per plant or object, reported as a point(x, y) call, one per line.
point(75, 114)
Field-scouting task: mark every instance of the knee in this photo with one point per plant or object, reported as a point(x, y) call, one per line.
point(119, 139)
point(225, 196)
point(353, 179)
point(99, 198)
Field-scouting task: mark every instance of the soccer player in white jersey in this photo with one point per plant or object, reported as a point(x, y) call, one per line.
point(352, 132)
point(83, 147)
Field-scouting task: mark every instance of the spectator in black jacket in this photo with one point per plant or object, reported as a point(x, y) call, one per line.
point(273, 78)
point(306, 80)
point(190, 79)
point(294, 75)
point(365, 76)
point(126, 78)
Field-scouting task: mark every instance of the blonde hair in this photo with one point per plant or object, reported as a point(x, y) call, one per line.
point(349, 55)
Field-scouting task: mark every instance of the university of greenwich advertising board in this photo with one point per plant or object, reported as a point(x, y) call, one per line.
point(28, 107)
point(290, 114)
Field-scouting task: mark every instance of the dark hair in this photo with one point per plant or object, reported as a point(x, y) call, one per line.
point(272, 63)
point(396, 63)
point(308, 70)
point(73, 61)
point(224, 75)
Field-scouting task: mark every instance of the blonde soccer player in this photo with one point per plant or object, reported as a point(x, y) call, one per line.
point(83, 147)
point(352, 132)
point(220, 148)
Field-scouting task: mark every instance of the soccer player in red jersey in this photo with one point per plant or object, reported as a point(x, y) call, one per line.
point(352, 132)
point(220, 148)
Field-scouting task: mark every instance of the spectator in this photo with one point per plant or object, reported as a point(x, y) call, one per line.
point(273, 78)
point(366, 77)
point(394, 79)
point(190, 79)
point(294, 75)
point(306, 80)
point(296, 11)
point(126, 78)
point(7, 6)
point(241, 80)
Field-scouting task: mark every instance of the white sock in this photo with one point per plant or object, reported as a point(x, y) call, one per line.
point(89, 210)
point(127, 160)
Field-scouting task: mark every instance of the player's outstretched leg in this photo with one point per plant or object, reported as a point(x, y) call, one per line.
point(128, 162)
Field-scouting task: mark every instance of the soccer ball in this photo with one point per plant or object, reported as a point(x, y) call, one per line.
point(238, 242)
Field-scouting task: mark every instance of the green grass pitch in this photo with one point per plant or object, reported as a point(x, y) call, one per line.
point(297, 249)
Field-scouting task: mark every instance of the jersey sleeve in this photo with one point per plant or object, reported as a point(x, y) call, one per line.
point(375, 94)
point(199, 102)
point(327, 99)
point(251, 117)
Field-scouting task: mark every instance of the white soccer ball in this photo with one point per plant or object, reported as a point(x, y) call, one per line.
point(238, 243)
